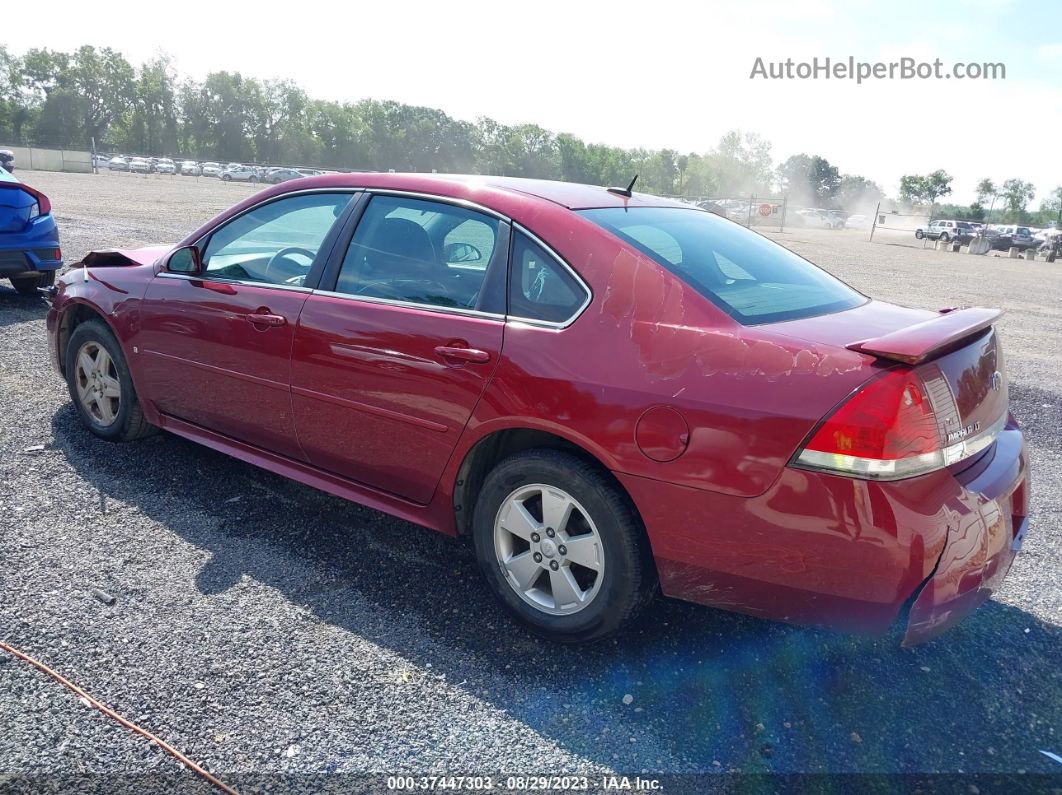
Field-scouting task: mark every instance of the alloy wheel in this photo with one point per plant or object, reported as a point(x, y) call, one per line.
point(98, 386)
point(549, 549)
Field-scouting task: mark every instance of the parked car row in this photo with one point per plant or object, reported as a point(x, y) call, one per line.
point(231, 172)
point(1000, 236)
point(941, 229)
point(819, 218)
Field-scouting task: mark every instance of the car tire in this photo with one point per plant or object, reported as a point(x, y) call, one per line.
point(122, 423)
point(600, 519)
point(226, 178)
point(919, 234)
point(27, 285)
point(944, 236)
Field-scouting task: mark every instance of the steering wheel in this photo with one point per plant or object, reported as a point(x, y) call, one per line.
point(282, 254)
point(382, 289)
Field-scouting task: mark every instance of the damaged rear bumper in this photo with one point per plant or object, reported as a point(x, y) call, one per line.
point(845, 553)
point(986, 527)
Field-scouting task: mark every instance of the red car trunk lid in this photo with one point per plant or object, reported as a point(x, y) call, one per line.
point(956, 353)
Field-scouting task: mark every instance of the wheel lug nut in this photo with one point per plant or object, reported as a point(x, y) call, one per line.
point(549, 532)
point(538, 557)
point(562, 549)
point(554, 565)
point(536, 537)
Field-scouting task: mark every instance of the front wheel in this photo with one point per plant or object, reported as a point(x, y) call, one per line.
point(561, 546)
point(101, 386)
point(944, 236)
point(226, 178)
point(919, 234)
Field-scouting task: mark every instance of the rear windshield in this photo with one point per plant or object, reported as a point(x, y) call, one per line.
point(751, 278)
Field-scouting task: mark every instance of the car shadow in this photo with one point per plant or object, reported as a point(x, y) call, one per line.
point(18, 308)
point(705, 685)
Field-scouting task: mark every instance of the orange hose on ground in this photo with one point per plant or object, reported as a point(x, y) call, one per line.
point(110, 713)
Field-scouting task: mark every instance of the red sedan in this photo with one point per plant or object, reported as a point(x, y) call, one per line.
point(609, 393)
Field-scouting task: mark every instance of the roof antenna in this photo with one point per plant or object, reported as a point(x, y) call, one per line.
point(624, 191)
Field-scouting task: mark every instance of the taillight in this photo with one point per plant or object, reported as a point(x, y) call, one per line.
point(44, 204)
point(886, 431)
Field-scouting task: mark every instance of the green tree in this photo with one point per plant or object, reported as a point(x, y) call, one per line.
point(741, 164)
point(986, 189)
point(660, 172)
point(855, 191)
point(809, 179)
point(1017, 194)
point(276, 112)
point(10, 93)
point(1052, 206)
point(152, 124)
point(926, 189)
point(104, 82)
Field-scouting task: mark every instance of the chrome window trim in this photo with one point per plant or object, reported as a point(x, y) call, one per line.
point(552, 324)
point(446, 310)
point(245, 282)
point(465, 203)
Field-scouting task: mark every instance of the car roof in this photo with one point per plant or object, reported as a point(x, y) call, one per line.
point(539, 204)
point(483, 189)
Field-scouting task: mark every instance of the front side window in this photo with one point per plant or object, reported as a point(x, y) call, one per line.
point(540, 287)
point(749, 277)
point(421, 252)
point(275, 243)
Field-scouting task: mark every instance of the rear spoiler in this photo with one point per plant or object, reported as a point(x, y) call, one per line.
point(915, 344)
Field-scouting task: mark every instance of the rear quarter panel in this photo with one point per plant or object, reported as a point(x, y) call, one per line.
point(748, 395)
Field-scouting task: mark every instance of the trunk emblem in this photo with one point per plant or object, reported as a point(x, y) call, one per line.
point(962, 433)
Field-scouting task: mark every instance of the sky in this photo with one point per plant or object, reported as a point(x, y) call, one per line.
point(642, 74)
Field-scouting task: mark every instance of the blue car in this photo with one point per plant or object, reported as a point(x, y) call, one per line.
point(29, 238)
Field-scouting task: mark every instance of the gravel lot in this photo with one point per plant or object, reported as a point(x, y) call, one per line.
point(263, 627)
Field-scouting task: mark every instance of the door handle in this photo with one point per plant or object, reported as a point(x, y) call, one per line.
point(266, 319)
point(463, 354)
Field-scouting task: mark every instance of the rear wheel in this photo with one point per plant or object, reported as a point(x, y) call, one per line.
point(561, 546)
point(944, 236)
point(100, 385)
point(28, 285)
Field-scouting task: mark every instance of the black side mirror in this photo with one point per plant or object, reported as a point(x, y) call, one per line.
point(185, 260)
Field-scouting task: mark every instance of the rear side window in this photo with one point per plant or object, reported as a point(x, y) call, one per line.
point(751, 278)
point(540, 287)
